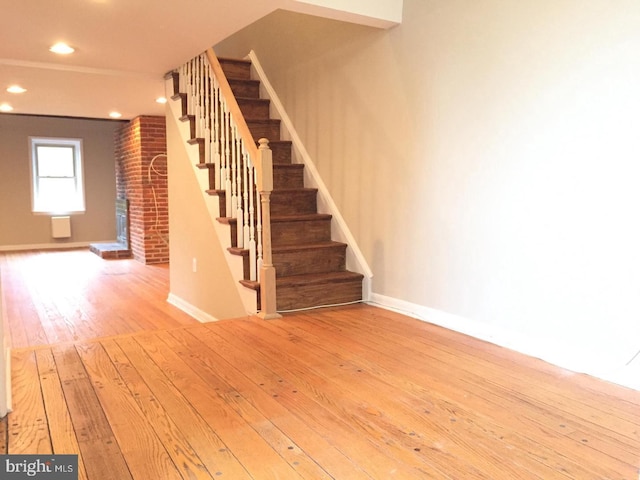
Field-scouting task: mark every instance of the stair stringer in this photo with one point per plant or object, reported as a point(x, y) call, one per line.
point(235, 263)
point(355, 260)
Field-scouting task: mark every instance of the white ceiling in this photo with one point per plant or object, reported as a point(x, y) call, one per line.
point(124, 47)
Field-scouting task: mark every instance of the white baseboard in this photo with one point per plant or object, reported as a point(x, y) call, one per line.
point(191, 310)
point(571, 357)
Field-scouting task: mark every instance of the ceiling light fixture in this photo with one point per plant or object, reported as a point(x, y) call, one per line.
point(16, 89)
point(5, 107)
point(161, 100)
point(62, 48)
point(115, 114)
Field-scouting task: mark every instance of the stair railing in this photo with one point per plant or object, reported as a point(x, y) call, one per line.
point(241, 167)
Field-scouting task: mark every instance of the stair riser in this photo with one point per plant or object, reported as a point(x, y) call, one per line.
point(175, 82)
point(302, 296)
point(237, 69)
point(270, 131)
point(243, 88)
point(302, 262)
point(254, 109)
point(293, 203)
point(287, 178)
point(281, 153)
point(292, 233)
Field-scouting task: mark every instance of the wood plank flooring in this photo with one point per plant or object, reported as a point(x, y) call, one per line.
point(72, 295)
point(349, 393)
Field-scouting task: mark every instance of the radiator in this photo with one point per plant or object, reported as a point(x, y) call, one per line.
point(61, 227)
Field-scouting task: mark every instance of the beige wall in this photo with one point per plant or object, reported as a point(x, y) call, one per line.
point(211, 288)
point(484, 154)
point(18, 226)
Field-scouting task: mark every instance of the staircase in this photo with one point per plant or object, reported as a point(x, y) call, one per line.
point(310, 267)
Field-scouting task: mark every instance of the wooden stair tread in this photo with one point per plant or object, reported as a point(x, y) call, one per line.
point(245, 81)
point(290, 166)
point(306, 246)
point(310, 279)
point(315, 278)
point(301, 218)
point(295, 190)
point(287, 248)
point(253, 100)
point(234, 60)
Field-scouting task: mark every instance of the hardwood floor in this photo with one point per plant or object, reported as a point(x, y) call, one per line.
point(347, 393)
point(72, 295)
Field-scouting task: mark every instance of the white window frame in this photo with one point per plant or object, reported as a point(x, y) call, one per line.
point(38, 204)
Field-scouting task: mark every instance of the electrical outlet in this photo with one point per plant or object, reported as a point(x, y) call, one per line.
point(194, 265)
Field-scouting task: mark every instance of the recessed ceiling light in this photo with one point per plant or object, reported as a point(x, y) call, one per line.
point(16, 89)
point(5, 107)
point(62, 48)
point(161, 100)
point(115, 114)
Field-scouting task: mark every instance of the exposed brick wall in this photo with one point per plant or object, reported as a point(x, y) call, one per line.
point(143, 181)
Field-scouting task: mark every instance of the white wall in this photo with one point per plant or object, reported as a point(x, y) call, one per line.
point(485, 156)
point(200, 281)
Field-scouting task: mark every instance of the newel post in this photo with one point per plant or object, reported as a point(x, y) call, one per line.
point(267, 271)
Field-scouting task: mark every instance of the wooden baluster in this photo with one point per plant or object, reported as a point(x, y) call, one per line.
point(215, 91)
point(207, 110)
point(249, 229)
point(239, 175)
point(227, 158)
point(181, 84)
point(197, 92)
point(187, 91)
point(234, 167)
point(258, 209)
point(246, 191)
point(203, 110)
point(192, 104)
point(268, 271)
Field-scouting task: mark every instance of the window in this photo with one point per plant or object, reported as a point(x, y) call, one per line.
point(57, 181)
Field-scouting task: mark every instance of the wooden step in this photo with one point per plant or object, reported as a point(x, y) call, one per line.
point(309, 258)
point(221, 195)
point(280, 151)
point(299, 201)
point(233, 228)
point(254, 108)
point(303, 291)
point(306, 291)
point(211, 168)
point(236, 68)
point(200, 143)
point(245, 88)
point(288, 176)
point(192, 124)
point(269, 129)
point(284, 203)
point(182, 97)
point(174, 76)
point(297, 229)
